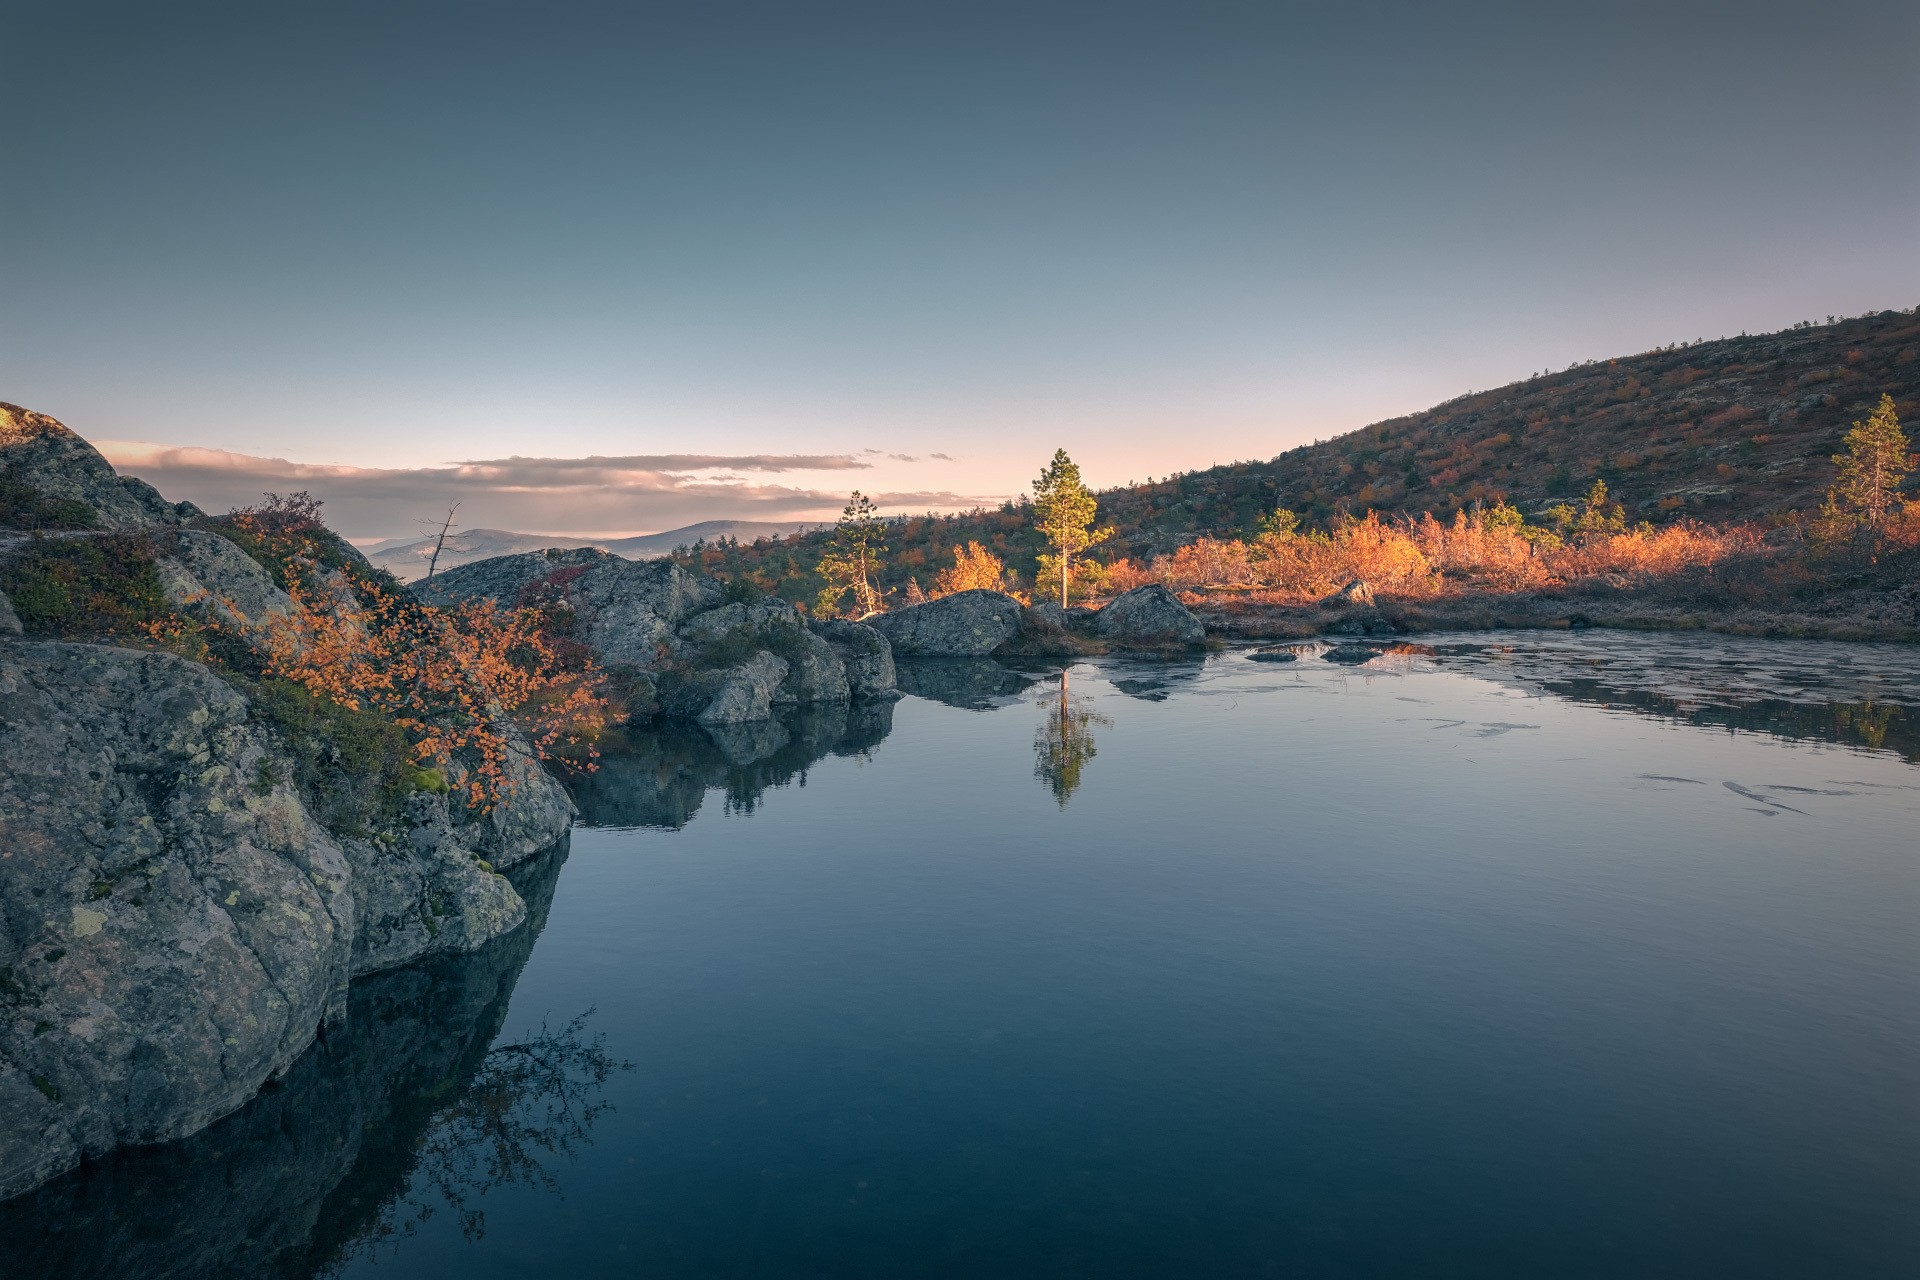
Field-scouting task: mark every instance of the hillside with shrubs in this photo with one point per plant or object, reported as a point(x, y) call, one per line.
point(1702, 466)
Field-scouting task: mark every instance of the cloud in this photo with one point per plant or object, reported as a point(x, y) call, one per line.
point(944, 457)
point(675, 463)
point(595, 495)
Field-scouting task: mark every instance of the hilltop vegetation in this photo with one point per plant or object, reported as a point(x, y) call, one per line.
point(1733, 430)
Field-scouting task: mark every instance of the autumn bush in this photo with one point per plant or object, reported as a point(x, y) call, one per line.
point(461, 685)
point(459, 681)
point(974, 569)
point(1489, 549)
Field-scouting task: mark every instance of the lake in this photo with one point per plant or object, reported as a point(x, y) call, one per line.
point(1528, 954)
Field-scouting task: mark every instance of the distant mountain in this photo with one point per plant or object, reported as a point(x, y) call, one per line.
point(407, 558)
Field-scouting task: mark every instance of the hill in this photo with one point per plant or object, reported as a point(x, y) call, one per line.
point(407, 558)
point(1734, 429)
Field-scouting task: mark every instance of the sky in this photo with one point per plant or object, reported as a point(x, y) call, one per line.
point(605, 269)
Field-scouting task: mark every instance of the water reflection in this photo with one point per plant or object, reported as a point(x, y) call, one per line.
point(659, 775)
point(402, 1111)
point(973, 684)
point(1064, 743)
point(1856, 695)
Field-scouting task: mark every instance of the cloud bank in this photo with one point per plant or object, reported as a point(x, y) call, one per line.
point(602, 496)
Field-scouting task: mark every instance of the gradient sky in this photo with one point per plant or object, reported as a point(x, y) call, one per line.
point(382, 240)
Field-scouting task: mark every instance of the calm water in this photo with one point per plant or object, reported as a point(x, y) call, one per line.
point(1547, 956)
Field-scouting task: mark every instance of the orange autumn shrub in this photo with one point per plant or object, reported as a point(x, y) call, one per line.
point(459, 681)
point(1483, 548)
point(1647, 552)
point(974, 569)
point(1207, 562)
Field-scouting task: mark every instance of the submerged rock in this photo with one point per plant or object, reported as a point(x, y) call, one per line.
point(966, 624)
point(1274, 655)
point(1151, 617)
point(974, 684)
point(1351, 654)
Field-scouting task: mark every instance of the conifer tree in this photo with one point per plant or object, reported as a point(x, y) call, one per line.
point(854, 556)
point(1866, 491)
point(1063, 510)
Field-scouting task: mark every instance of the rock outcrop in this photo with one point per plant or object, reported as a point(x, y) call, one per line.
point(59, 466)
point(864, 655)
point(966, 624)
point(814, 672)
point(734, 694)
point(174, 924)
point(1149, 617)
point(682, 650)
point(1356, 592)
point(209, 578)
point(624, 610)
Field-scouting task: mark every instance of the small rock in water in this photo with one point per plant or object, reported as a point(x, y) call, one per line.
point(1274, 655)
point(1350, 654)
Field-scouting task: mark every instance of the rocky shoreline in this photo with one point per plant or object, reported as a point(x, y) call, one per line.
point(182, 904)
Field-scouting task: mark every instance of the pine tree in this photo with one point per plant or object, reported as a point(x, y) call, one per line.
point(1876, 462)
point(1063, 510)
point(853, 558)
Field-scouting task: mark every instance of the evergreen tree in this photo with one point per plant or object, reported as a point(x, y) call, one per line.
point(1877, 460)
point(853, 557)
point(1063, 510)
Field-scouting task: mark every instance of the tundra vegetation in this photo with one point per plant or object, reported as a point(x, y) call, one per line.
point(1761, 480)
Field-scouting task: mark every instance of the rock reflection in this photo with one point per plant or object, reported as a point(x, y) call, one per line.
point(658, 776)
point(1064, 743)
point(972, 684)
point(399, 1112)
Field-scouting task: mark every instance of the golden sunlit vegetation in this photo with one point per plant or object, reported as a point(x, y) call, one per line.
point(974, 569)
point(1699, 459)
point(459, 682)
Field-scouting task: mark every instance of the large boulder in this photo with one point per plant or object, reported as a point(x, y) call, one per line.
point(865, 657)
point(624, 610)
point(1149, 617)
point(424, 893)
point(174, 923)
point(44, 457)
point(172, 932)
point(532, 814)
point(814, 670)
point(966, 624)
point(737, 694)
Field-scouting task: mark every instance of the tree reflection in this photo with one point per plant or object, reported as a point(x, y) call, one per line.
point(1065, 742)
point(528, 1103)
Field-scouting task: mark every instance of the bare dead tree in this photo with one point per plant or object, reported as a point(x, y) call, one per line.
point(440, 539)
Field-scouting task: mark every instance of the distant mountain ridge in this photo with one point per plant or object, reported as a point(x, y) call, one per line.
point(407, 558)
